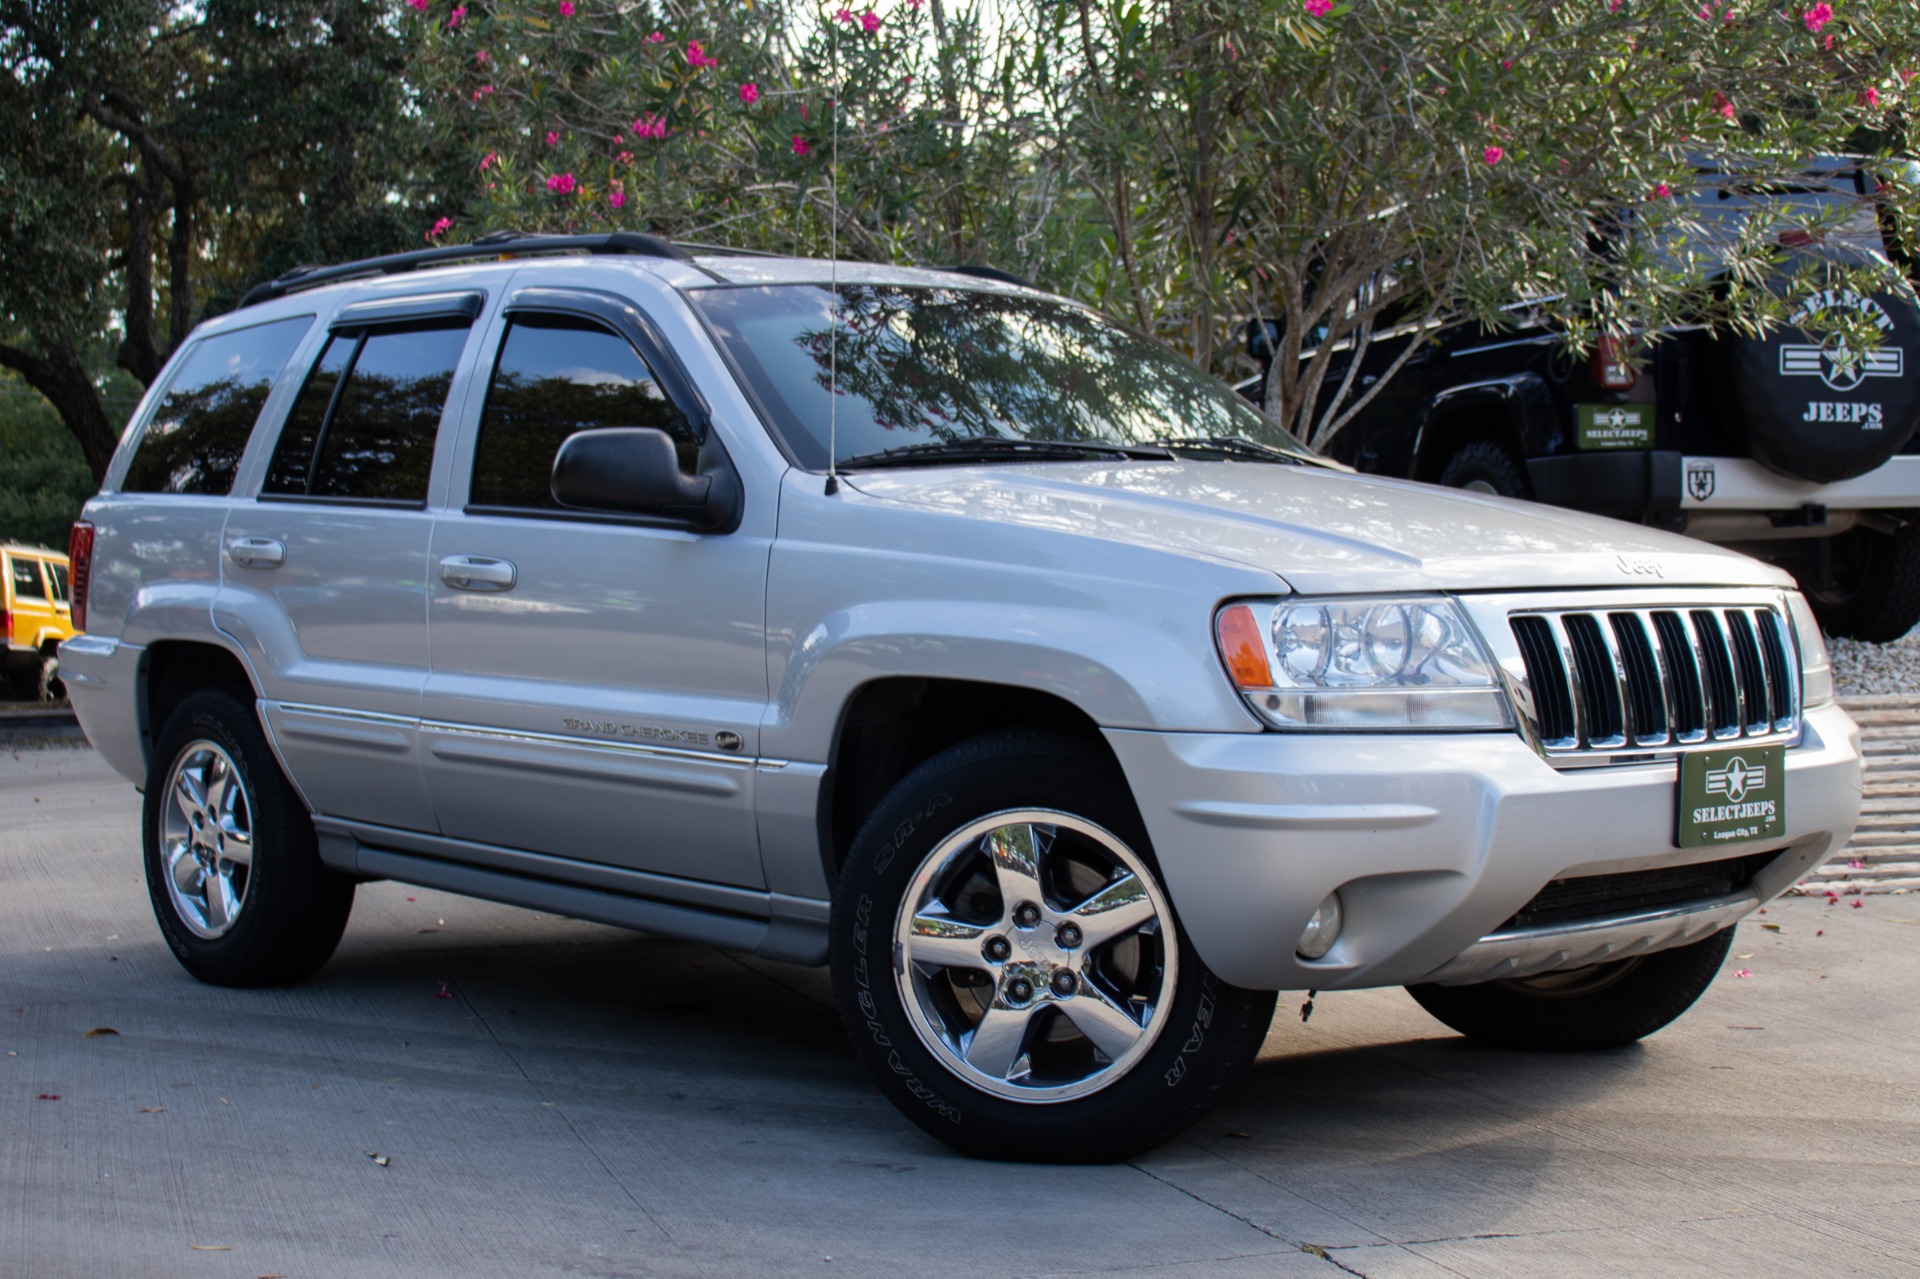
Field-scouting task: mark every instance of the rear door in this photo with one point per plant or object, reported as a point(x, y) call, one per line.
point(597, 680)
point(326, 572)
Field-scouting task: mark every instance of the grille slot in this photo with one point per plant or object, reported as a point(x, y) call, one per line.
point(1630, 678)
point(1566, 901)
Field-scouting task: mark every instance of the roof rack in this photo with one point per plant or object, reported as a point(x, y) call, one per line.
point(498, 244)
point(987, 273)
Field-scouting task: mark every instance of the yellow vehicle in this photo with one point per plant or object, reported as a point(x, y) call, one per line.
point(35, 617)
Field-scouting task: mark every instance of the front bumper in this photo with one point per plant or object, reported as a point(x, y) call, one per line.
point(1434, 841)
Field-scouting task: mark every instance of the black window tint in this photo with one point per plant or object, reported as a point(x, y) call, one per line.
point(556, 376)
point(379, 441)
point(293, 456)
point(26, 579)
point(194, 441)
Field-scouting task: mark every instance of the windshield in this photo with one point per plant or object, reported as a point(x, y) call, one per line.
point(938, 367)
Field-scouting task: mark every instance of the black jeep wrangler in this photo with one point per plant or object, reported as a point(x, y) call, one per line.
point(1794, 450)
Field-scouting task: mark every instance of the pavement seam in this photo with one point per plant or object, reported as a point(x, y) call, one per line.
point(1311, 1249)
point(572, 1129)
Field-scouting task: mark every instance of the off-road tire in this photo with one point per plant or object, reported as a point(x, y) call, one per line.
point(1877, 596)
point(294, 908)
point(1211, 1031)
point(1604, 1006)
point(1489, 464)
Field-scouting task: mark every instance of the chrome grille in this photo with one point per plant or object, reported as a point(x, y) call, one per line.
point(1626, 679)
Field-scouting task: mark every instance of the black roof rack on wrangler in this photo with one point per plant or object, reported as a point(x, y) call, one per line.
point(497, 244)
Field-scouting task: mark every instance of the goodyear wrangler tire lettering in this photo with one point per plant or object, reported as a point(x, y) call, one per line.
point(1040, 1000)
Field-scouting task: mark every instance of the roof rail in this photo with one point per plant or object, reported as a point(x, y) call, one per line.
point(987, 273)
point(498, 244)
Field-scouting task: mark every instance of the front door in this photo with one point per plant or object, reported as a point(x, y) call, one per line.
point(597, 681)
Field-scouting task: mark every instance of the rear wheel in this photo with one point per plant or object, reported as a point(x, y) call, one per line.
point(1868, 586)
point(1010, 970)
point(236, 882)
point(1485, 467)
point(1599, 1006)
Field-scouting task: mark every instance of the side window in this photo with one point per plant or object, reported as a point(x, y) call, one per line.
point(364, 425)
point(57, 579)
point(557, 375)
point(194, 440)
point(26, 579)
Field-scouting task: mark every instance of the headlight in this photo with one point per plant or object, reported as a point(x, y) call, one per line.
point(1816, 668)
point(1361, 664)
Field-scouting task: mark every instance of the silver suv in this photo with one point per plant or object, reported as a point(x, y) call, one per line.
point(928, 626)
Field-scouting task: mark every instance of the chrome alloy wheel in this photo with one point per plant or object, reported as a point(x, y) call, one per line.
point(1034, 955)
point(206, 839)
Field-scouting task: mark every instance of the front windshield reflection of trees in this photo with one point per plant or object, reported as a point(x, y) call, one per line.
point(933, 365)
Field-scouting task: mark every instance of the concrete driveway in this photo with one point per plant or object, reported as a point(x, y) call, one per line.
point(550, 1097)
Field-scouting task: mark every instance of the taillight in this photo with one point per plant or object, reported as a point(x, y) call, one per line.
point(1610, 366)
point(79, 569)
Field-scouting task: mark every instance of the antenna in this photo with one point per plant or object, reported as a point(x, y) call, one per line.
point(833, 277)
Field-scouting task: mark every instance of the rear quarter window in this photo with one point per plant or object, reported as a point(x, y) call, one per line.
point(194, 440)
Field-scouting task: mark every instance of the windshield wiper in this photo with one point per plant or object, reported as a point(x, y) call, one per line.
point(997, 448)
point(1231, 445)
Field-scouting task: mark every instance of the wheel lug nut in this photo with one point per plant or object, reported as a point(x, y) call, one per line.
point(1019, 990)
point(1026, 914)
point(1068, 936)
point(996, 948)
point(1064, 983)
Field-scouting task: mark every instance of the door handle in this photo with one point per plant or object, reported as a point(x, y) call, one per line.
point(257, 552)
point(477, 573)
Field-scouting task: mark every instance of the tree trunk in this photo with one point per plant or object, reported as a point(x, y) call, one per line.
point(62, 378)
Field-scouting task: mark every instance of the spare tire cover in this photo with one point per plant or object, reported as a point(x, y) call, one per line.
point(1813, 409)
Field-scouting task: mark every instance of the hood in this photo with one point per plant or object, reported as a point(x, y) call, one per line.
point(1322, 531)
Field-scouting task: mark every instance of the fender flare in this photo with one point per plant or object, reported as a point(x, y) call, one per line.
point(1521, 405)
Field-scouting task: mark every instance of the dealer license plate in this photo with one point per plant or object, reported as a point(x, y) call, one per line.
point(1730, 795)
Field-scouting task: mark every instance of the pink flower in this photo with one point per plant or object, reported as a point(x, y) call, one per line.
point(697, 56)
point(1319, 8)
point(1613, 6)
point(1493, 155)
point(561, 184)
point(625, 157)
point(801, 146)
point(458, 16)
point(1661, 190)
point(482, 92)
point(1742, 972)
point(1723, 104)
point(843, 15)
point(869, 22)
point(1507, 63)
point(657, 37)
point(650, 126)
point(488, 160)
point(553, 139)
point(749, 93)
point(480, 57)
point(439, 228)
point(1858, 904)
point(566, 8)
point(616, 196)
point(915, 5)
point(1818, 16)
point(1870, 96)
point(419, 6)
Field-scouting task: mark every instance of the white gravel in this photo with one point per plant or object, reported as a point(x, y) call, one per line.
point(1876, 669)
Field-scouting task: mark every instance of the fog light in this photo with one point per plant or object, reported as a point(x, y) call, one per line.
point(1322, 930)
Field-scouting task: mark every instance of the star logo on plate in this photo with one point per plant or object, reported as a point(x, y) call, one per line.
point(1736, 779)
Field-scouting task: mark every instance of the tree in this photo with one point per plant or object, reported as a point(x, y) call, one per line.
point(1415, 163)
point(157, 157)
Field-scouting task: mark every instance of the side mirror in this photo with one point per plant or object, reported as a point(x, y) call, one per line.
point(635, 470)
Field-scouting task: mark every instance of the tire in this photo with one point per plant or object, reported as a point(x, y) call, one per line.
point(274, 916)
point(1037, 1089)
point(1871, 591)
point(1600, 1006)
point(47, 684)
point(1485, 467)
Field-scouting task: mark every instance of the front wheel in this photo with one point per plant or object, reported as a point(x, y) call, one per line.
point(1598, 1006)
point(1010, 970)
point(238, 888)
